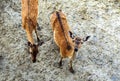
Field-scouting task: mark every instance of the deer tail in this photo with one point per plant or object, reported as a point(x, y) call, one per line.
point(61, 25)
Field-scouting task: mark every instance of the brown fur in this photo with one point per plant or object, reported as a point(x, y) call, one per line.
point(29, 17)
point(29, 23)
point(59, 37)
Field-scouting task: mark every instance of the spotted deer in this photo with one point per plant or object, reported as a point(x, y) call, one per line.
point(63, 37)
point(29, 23)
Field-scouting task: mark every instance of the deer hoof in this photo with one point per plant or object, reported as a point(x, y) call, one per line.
point(71, 70)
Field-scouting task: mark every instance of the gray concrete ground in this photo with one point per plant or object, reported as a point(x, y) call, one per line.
point(97, 60)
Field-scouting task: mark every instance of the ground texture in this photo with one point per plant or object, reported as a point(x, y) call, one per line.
point(97, 60)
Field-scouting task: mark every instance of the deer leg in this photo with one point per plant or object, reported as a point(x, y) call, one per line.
point(38, 40)
point(71, 68)
point(37, 35)
point(60, 62)
point(38, 27)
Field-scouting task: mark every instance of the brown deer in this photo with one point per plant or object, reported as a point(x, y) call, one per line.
point(63, 38)
point(29, 23)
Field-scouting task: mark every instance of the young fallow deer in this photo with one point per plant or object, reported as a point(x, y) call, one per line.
point(63, 37)
point(29, 23)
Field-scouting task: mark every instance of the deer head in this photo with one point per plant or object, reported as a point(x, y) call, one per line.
point(78, 42)
point(33, 49)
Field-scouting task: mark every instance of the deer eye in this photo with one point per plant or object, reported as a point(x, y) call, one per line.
point(81, 42)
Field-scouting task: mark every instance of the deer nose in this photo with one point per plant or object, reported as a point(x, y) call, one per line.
point(33, 61)
point(76, 49)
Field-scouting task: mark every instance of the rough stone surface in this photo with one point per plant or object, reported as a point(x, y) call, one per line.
point(97, 60)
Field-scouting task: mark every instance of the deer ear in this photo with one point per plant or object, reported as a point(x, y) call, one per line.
point(71, 34)
point(86, 38)
point(29, 44)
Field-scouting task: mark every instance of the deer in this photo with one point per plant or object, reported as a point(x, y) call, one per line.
point(29, 24)
point(64, 38)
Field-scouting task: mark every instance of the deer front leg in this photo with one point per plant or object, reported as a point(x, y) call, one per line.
point(38, 39)
point(60, 62)
point(70, 67)
point(38, 27)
